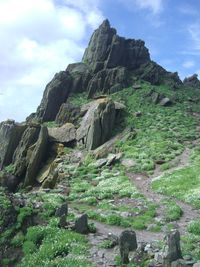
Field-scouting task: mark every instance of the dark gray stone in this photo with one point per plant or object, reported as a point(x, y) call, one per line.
point(107, 49)
point(127, 243)
point(192, 81)
point(173, 249)
point(97, 124)
point(81, 224)
point(37, 157)
point(20, 159)
point(68, 113)
point(62, 210)
point(10, 136)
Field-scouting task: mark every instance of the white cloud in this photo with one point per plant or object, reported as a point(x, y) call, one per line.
point(155, 6)
point(188, 64)
point(194, 31)
point(39, 38)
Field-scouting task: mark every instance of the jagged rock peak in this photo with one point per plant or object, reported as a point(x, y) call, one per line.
point(108, 50)
point(192, 81)
point(105, 24)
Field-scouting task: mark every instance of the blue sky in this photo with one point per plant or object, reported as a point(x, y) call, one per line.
point(41, 37)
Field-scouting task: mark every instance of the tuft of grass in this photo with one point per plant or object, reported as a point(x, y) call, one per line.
point(194, 227)
point(172, 211)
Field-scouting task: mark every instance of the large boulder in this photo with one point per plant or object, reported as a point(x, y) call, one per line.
point(63, 134)
point(97, 124)
point(37, 157)
point(29, 138)
point(192, 81)
point(10, 136)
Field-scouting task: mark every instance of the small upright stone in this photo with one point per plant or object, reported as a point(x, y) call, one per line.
point(81, 224)
point(62, 210)
point(127, 243)
point(173, 249)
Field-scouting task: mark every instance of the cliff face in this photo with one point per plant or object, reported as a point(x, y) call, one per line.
point(110, 63)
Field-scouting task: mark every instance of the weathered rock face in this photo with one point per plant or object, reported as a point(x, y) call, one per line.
point(73, 80)
point(96, 126)
point(192, 81)
point(107, 50)
point(20, 160)
point(37, 157)
point(155, 74)
point(63, 134)
point(56, 93)
point(10, 135)
point(108, 81)
point(67, 113)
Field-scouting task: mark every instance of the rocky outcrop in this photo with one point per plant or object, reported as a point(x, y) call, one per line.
point(56, 93)
point(110, 63)
point(156, 75)
point(97, 124)
point(107, 50)
point(37, 157)
point(63, 134)
point(192, 81)
point(20, 159)
point(73, 80)
point(10, 135)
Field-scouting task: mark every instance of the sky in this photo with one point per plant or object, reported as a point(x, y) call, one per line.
point(41, 37)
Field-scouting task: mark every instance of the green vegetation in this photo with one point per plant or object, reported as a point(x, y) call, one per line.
point(52, 246)
point(190, 245)
point(50, 124)
point(5, 207)
point(183, 184)
point(79, 99)
point(194, 227)
point(172, 211)
point(161, 131)
point(9, 168)
point(107, 195)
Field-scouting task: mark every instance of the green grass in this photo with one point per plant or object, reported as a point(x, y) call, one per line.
point(161, 131)
point(183, 184)
point(52, 246)
point(50, 124)
point(172, 211)
point(79, 99)
point(104, 193)
point(194, 227)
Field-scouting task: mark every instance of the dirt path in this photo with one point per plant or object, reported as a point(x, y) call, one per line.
point(143, 183)
point(106, 257)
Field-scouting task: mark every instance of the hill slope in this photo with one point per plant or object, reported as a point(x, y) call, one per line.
point(115, 137)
